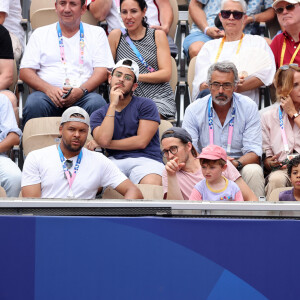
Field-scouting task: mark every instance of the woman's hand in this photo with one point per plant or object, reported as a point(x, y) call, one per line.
point(288, 106)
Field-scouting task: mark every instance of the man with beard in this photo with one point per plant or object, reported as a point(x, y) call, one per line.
point(69, 170)
point(128, 127)
point(230, 120)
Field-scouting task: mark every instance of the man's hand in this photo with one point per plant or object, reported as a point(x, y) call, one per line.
point(75, 95)
point(55, 94)
point(215, 32)
point(92, 145)
point(288, 105)
point(116, 94)
point(163, 28)
point(203, 86)
point(173, 166)
point(272, 162)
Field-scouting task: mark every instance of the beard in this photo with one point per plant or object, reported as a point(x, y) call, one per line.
point(221, 99)
point(71, 148)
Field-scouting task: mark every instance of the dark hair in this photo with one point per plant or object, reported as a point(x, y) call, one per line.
point(220, 161)
point(142, 4)
point(293, 163)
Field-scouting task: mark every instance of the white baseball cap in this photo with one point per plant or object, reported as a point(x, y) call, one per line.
point(130, 64)
point(67, 115)
point(288, 1)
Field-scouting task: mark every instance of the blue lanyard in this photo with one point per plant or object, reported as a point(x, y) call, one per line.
point(211, 126)
point(62, 49)
point(136, 51)
point(63, 162)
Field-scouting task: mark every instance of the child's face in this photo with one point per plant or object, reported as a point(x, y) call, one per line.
point(212, 171)
point(295, 177)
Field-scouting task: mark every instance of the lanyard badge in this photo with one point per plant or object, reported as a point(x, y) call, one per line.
point(62, 52)
point(283, 134)
point(70, 177)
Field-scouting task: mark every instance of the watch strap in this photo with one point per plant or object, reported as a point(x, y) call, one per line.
point(295, 116)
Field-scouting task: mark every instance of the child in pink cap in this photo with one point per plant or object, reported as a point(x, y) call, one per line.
point(214, 186)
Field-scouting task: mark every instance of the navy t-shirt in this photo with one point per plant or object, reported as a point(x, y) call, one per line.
point(126, 125)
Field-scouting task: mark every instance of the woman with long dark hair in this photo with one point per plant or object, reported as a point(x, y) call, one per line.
point(150, 49)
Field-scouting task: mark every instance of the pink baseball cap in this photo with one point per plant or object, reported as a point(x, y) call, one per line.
point(213, 152)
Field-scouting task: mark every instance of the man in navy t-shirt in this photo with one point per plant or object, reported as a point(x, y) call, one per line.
point(128, 127)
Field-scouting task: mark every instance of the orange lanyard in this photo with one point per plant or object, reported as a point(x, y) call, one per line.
point(283, 52)
point(222, 44)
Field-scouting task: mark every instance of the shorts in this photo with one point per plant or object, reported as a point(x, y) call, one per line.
point(136, 168)
point(195, 36)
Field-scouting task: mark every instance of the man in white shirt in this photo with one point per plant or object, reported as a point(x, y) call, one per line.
point(64, 63)
point(69, 170)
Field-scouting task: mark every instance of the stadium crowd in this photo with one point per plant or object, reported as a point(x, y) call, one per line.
point(225, 149)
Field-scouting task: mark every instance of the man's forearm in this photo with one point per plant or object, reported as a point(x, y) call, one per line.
point(265, 16)
point(30, 77)
point(166, 13)
point(11, 139)
point(132, 143)
point(248, 158)
point(174, 192)
point(97, 78)
point(250, 84)
point(197, 14)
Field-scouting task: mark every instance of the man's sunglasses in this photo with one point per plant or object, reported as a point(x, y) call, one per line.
point(289, 7)
point(237, 15)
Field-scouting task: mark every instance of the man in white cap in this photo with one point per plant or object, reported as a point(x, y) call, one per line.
point(69, 170)
point(128, 127)
point(286, 45)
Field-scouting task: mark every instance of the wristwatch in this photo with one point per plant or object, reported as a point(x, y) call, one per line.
point(295, 116)
point(239, 166)
point(85, 92)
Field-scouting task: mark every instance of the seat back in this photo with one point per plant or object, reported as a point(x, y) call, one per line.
point(149, 191)
point(12, 87)
point(191, 74)
point(274, 196)
point(172, 31)
point(41, 132)
point(174, 75)
point(164, 125)
point(42, 12)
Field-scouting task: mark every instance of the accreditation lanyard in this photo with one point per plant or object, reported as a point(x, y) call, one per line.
point(211, 126)
point(62, 49)
point(136, 51)
point(283, 52)
point(283, 135)
point(72, 177)
point(222, 44)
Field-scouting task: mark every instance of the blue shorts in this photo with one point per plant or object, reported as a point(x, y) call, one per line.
point(196, 36)
point(136, 168)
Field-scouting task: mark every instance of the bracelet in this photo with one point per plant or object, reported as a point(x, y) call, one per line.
point(109, 115)
point(206, 28)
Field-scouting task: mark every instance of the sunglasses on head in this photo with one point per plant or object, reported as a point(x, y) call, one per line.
point(237, 15)
point(286, 67)
point(289, 7)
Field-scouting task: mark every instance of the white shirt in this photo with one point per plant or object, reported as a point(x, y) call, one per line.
point(13, 11)
point(207, 55)
point(114, 20)
point(95, 170)
point(42, 54)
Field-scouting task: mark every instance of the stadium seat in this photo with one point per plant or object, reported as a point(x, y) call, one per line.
point(274, 197)
point(42, 12)
point(41, 132)
point(149, 191)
